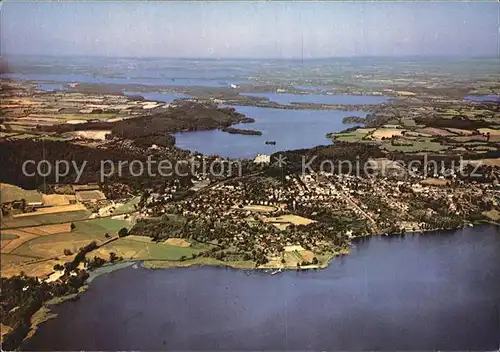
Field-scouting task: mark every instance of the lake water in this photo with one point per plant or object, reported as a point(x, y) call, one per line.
point(495, 98)
point(154, 79)
point(419, 292)
point(291, 129)
point(47, 87)
point(289, 98)
point(157, 96)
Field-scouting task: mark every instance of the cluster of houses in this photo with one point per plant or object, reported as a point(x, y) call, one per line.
point(381, 201)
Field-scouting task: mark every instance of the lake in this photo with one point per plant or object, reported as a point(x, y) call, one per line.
point(332, 99)
point(291, 129)
point(154, 79)
point(418, 292)
point(494, 98)
point(47, 87)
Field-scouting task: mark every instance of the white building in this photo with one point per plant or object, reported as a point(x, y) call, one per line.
point(262, 158)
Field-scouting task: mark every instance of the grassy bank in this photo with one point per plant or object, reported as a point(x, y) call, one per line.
point(108, 268)
point(324, 260)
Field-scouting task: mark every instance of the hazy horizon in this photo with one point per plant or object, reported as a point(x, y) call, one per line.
point(97, 56)
point(251, 30)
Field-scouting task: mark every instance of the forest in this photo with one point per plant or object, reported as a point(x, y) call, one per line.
point(187, 116)
point(14, 154)
point(233, 130)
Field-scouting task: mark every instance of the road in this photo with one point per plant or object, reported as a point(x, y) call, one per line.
point(367, 216)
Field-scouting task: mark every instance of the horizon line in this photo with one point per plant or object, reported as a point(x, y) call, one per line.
point(297, 58)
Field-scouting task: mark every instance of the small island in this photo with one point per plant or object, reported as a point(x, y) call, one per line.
point(233, 130)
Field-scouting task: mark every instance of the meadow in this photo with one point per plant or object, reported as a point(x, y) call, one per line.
point(9, 193)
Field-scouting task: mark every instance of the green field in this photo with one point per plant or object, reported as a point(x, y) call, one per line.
point(106, 225)
point(54, 245)
point(9, 193)
point(392, 122)
point(350, 137)
point(408, 123)
point(103, 116)
point(46, 219)
point(159, 264)
point(54, 138)
point(84, 233)
point(127, 207)
point(139, 250)
point(6, 134)
point(473, 143)
point(19, 128)
point(417, 146)
point(14, 259)
point(24, 136)
point(293, 256)
point(7, 236)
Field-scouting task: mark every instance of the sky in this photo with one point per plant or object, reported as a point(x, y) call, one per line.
point(230, 29)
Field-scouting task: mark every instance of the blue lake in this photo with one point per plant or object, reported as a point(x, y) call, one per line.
point(153, 79)
point(289, 98)
point(157, 96)
point(494, 98)
point(47, 87)
point(291, 129)
point(438, 291)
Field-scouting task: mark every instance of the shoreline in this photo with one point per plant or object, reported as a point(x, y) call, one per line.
point(45, 313)
point(250, 265)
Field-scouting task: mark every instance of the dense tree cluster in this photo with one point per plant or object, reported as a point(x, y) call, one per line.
point(14, 154)
point(457, 121)
point(186, 116)
point(233, 130)
point(80, 257)
point(325, 157)
point(22, 296)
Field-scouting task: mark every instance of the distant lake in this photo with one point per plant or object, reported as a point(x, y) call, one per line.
point(143, 71)
point(418, 292)
point(156, 96)
point(151, 78)
point(291, 129)
point(288, 98)
point(495, 98)
point(48, 87)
